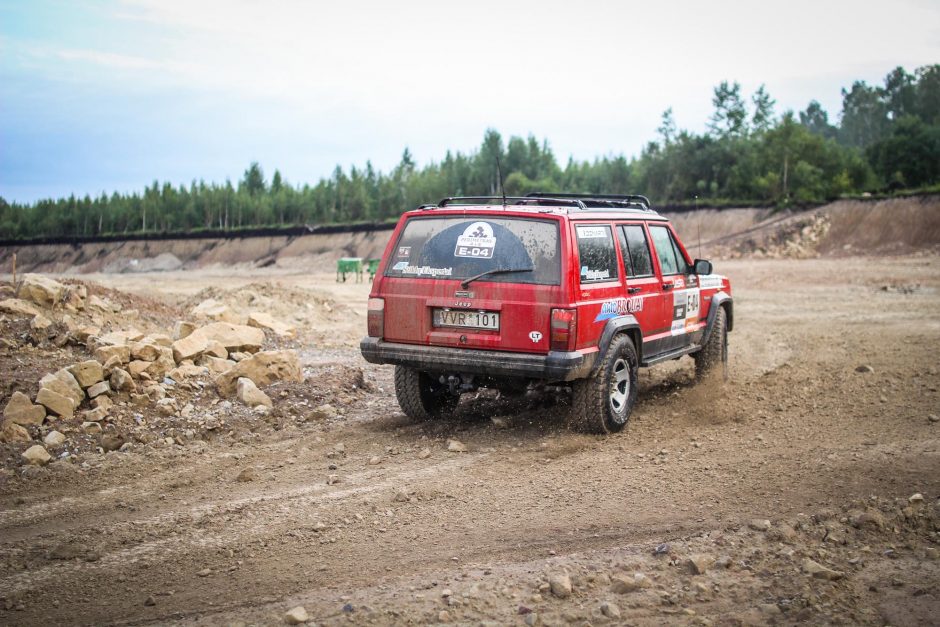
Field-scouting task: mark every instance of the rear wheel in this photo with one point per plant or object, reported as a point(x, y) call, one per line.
point(602, 403)
point(712, 360)
point(421, 396)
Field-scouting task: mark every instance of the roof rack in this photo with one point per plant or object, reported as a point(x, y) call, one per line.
point(598, 199)
point(540, 201)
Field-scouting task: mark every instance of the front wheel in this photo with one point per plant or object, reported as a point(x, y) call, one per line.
point(602, 403)
point(422, 397)
point(713, 358)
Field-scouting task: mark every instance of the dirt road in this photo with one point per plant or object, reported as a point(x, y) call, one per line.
point(366, 518)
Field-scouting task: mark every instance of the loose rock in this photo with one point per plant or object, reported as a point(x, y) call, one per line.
point(296, 616)
point(22, 411)
point(699, 564)
point(263, 368)
point(37, 455)
point(560, 584)
point(54, 438)
point(248, 393)
point(610, 610)
point(456, 446)
point(12, 432)
point(87, 373)
point(821, 572)
point(759, 524)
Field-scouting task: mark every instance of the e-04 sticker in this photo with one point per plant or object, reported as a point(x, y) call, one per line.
point(477, 241)
point(619, 307)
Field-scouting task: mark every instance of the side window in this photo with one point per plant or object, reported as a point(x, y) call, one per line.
point(636, 251)
point(596, 251)
point(684, 267)
point(664, 250)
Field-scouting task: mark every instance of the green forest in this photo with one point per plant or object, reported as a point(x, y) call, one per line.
point(886, 139)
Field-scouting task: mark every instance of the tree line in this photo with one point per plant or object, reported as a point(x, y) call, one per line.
point(886, 138)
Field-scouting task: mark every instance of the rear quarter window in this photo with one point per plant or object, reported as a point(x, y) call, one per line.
point(598, 260)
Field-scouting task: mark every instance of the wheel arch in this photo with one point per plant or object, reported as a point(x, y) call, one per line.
point(719, 301)
point(621, 324)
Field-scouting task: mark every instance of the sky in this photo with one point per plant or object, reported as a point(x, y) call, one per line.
point(110, 95)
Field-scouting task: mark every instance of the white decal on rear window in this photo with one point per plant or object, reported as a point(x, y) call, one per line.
point(477, 241)
point(426, 271)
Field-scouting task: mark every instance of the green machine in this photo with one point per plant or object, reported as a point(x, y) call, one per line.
point(349, 265)
point(373, 268)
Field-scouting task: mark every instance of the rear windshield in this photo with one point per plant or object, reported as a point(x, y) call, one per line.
point(463, 247)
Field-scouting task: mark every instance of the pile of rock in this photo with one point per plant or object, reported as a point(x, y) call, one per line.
point(138, 367)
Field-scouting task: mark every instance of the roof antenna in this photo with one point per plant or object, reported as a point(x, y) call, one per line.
point(502, 188)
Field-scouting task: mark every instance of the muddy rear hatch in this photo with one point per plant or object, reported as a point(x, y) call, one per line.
point(474, 281)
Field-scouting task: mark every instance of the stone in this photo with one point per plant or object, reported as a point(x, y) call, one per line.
point(699, 564)
point(215, 349)
point(248, 393)
point(92, 428)
point(87, 373)
point(161, 339)
point(870, 518)
point(916, 498)
point(443, 616)
point(56, 403)
point(424, 453)
point(214, 310)
point(122, 352)
point(120, 338)
point(610, 610)
point(933, 418)
point(11, 432)
point(819, 571)
point(265, 321)
point(182, 329)
point(22, 411)
point(145, 350)
point(296, 616)
point(759, 524)
point(623, 584)
point(41, 290)
point(187, 370)
point(164, 363)
point(865, 369)
point(138, 367)
point(456, 446)
point(234, 337)
point(102, 387)
point(782, 533)
point(19, 307)
point(40, 323)
point(323, 412)
point(121, 381)
point(247, 474)
point(263, 368)
point(111, 443)
point(332, 479)
point(95, 415)
point(37, 455)
point(54, 438)
point(62, 382)
point(215, 365)
point(560, 585)
point(102, 401)
point(375, 460)
point(401, 496)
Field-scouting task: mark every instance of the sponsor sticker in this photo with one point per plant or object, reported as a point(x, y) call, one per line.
point(400, 266)
point(423, 270)
point(619, 307)
point(685, 310)
point(592, 232)
point(594, 275)
point(404, 251)
point(477, 241)
point(709, 281)
point(535, 336)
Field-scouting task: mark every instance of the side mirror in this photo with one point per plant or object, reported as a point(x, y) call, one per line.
point(703, 266)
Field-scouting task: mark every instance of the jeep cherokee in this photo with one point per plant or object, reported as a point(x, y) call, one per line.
point(580, 289)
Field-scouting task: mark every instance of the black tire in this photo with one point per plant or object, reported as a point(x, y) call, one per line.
point(713, 358)
point(421, 397)
point(602, 402)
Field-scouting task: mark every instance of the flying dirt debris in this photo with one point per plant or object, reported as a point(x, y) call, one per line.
point(136, 486)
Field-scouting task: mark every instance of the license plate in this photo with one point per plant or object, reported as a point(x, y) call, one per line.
point(488, 320)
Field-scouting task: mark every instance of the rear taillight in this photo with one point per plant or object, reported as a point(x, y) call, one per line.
point(564, 329)
point(376, 317)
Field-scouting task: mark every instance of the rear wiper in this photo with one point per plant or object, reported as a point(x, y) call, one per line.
point(467, 282)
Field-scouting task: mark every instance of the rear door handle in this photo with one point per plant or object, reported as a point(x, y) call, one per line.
point(633, 290)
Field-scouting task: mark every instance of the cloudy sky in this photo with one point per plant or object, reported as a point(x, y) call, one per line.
point(104, 95)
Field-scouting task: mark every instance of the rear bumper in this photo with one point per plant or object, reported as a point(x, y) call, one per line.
point(554, 366)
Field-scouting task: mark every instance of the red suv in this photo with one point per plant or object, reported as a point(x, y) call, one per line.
point(500, 292)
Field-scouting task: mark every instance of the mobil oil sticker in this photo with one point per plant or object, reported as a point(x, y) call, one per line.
point(685, 310)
